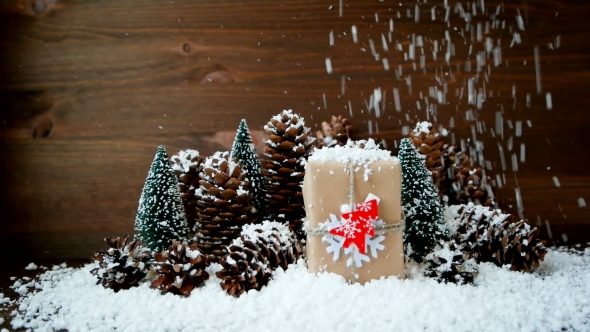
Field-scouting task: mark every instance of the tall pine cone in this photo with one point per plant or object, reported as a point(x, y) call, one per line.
point(187, 166)
point(469, 182)
point(224, 204)
point(260, 250)
point(123, 265)
point(452, 263)
point(498, 238)
point(431, 147)
point(283, 163)
point(337, 132)
point(180, 269)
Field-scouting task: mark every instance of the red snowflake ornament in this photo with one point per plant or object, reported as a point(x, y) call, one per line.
point(357, 224)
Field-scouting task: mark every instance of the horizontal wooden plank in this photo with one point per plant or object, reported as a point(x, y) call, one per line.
point(90, 88)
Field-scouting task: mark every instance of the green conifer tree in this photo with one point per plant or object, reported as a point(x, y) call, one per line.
point(424, 214)
point(160, 216)
point(244, 151)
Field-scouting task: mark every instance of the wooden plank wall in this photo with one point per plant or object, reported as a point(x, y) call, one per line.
point(89, 88)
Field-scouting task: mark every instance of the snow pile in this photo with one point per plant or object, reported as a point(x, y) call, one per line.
point(356, 151)
point(31, 267)
point(551, 299)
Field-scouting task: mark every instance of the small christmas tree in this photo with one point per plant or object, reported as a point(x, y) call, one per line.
point(160, 216)
point(424, 219)
point(244, 151)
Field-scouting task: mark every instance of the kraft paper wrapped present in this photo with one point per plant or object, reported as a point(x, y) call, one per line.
point(356, 173)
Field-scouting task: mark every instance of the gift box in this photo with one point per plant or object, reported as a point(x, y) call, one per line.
point(354, 221)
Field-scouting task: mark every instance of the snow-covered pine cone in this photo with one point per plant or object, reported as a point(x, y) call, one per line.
point(259, 251)
point(187, 166)
point(180, 269)
point(224, 204)
point(469, 182)
point(243, 269)
point(451, 263)
point(428, 141)
point(123, 264)
point(499, 238)
point(336, 132)
point(283, 164)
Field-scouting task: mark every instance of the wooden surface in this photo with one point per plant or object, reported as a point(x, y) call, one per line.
point(89, 88)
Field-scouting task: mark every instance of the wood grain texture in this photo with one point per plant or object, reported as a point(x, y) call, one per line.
point(90, 88)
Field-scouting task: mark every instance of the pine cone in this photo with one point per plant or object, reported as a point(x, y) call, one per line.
point(283, 163)
point(123, 265)
point(337, 132)
point(180, 269)
point(452, 264)
point(431, 147)
point(470, 184)
point(224, 204)
point(187, 166)
point(498, 238)
point(259, 251)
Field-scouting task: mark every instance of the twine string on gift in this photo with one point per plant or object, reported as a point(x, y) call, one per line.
point(379, 230)
point(350, 184)
point(350, 206)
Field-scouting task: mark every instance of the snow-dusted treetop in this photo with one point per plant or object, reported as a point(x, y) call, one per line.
point(355, 151)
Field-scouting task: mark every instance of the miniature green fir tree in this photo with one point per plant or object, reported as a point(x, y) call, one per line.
point(244, 151)
point(424, 218)
point(160, 216)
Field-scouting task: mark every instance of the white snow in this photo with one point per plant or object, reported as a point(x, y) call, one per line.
point(551, 298)
point(353, 151)
point(31, 267)
point(423, 127)
point(4, 299)
point(192, 254)
point(328, 65)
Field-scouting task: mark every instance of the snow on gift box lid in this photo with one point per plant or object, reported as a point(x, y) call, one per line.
point(361, 152)
point(358, 152)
